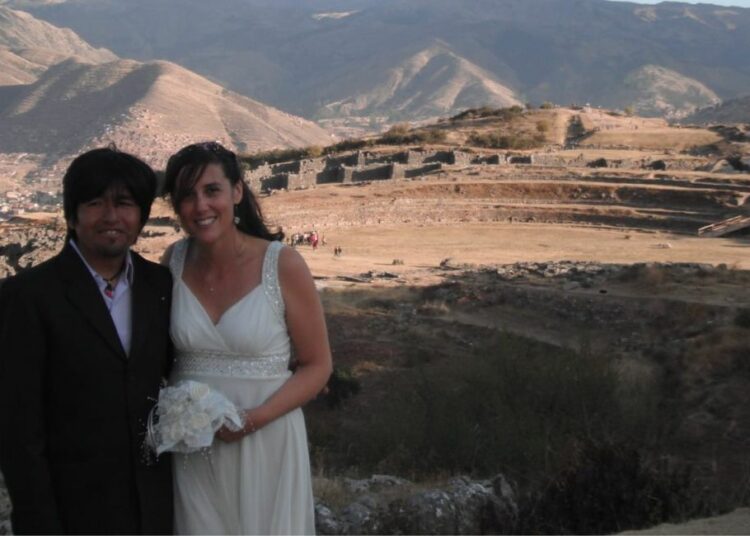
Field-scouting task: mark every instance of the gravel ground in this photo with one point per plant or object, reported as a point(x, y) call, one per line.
point(736, 522)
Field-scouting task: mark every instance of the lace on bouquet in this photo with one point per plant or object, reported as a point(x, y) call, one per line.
point(186, 417)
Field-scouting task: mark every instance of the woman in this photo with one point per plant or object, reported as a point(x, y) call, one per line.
point(241, 300)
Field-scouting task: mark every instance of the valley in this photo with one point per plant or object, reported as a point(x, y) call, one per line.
point(547, 303)
point(583, 255)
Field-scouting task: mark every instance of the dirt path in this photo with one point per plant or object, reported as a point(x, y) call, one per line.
point(422, 248)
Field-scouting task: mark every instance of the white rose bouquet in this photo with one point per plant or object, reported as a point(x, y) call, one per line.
point(186, 417)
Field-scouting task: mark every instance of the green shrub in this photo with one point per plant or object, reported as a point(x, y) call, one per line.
point(473, 113)
point(576, 128)
point(498, 140)
point(432, 135)
point(341, 385)
point(314, 151)
point(401, 135)
point(485, 111)
point(743, 318)
point(275, 156)
point(399, 129)
point(610, 487)
point(347, 145)
point(511, 405)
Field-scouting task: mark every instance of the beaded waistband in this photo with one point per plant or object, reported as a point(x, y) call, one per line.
point(232, 365)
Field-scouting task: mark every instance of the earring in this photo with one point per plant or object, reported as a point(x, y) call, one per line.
point(236, 216)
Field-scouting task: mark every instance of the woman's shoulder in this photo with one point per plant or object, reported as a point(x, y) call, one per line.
point(291, 265)
point(166, 257)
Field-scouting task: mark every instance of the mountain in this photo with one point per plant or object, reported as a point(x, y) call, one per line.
point(28, 46)
point(15, 69)
point(657, 91)
point(731, 111)
point(151, 109)
point(343, 56)
point(433, 82)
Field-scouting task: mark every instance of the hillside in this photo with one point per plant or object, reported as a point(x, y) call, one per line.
point(337, 58)
point(432, 83)
point(151, 109)
point(729, 112)
point(657, 91)
point(28, 46)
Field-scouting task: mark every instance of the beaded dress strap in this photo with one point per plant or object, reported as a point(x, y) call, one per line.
point(271, 286)
point(177, 260)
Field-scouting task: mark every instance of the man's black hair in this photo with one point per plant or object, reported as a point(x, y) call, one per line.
point(94, 172)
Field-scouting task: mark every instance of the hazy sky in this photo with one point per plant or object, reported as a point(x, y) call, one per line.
point(739, 3)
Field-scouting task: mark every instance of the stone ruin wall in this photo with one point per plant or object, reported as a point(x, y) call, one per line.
point(358, 167)
point(361, 166)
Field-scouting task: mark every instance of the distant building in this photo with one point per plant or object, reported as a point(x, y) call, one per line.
point(48, 199)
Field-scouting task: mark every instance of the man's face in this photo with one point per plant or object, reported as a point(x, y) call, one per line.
point(107, 225)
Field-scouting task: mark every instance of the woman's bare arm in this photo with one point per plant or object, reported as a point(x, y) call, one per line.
point(309, 335)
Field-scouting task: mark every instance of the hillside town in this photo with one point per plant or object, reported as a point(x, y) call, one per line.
point(15, 203)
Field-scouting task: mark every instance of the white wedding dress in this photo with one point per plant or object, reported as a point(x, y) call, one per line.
point(260, 484)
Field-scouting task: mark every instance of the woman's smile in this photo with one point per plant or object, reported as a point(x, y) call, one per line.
point(205, 222)
point(207, 212)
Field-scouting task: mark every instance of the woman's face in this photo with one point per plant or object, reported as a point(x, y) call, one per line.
point(207, 211)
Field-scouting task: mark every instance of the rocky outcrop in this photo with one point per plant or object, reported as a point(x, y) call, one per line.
point(386, 504)
point(28, 246)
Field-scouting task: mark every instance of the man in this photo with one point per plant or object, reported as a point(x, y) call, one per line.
point(84, 345)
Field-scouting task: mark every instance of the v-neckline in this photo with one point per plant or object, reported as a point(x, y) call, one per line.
point(234, 304)
point(227, 310)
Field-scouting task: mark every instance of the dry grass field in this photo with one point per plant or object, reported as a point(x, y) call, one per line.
point(423, 247)
point(652, 139)
point(600, 129)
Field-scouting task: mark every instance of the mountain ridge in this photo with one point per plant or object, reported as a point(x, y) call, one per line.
point(151, 109)
point(28, 46)
point(728, 112)
point(307, 58)
point(657, 90)
point(433, 82)
point(60, 96)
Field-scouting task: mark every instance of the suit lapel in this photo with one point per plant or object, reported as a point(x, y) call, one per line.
point(83, 293)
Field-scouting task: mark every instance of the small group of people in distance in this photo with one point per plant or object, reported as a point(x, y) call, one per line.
point(311, 238)
point(90, 336)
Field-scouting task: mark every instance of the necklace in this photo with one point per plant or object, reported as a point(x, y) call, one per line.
point(109, 289)
point(111, 280)
point(208, 283)
point(211, 286)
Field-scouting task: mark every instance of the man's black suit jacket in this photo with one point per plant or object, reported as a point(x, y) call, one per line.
point(73, 405)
